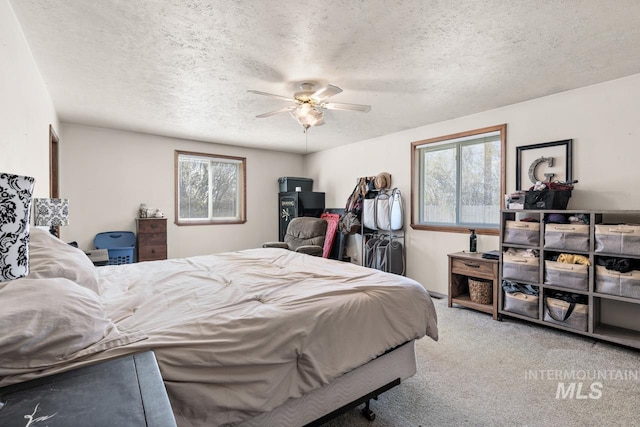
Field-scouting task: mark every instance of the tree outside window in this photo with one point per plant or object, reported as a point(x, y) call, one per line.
point(210, 189)
point(458, 181)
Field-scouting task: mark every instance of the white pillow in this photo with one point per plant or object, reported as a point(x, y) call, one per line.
point(46, 322)
point(15, 208)
point(50, 257)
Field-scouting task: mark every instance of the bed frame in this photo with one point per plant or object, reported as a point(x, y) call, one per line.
point(356, 387)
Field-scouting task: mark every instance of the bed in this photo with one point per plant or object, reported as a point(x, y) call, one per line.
point(256, 337)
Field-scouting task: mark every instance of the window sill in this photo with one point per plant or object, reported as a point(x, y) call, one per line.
point(209, 222)
point(456, 229)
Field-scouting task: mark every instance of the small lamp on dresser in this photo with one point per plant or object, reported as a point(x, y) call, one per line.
point(51, 212)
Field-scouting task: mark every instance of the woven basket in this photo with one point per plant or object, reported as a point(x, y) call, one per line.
point(480, 291)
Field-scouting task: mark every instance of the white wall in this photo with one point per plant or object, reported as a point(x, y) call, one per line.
point(26, 109)
point(603, 120)
point(106, 174)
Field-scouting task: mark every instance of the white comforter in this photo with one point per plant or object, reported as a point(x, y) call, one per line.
point(238, 334)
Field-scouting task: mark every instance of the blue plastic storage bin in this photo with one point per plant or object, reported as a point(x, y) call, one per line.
point(119, 244)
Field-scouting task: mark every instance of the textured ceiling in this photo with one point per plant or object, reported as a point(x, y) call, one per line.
point(182, 67)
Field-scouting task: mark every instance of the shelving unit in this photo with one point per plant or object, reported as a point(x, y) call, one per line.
point(396, 243)
point(611, 317)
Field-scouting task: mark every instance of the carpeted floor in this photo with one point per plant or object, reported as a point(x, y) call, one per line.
point(487, 373)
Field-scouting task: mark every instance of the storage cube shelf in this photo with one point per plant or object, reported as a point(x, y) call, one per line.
point(612, 310)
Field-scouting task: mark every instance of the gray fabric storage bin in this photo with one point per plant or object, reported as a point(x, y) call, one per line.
point(557, 311)
point(520, 269)
point(522, 233)
point(618, 239)
point(522, 304)
point(568, 237)
point(615, 283)
point(571, 276)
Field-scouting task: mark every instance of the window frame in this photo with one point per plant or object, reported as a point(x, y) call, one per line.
point(415, 178)
point(242, 187)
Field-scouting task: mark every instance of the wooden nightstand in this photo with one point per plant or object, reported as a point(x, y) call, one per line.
point(463, 265)
point(152, 238)
point(127, 391)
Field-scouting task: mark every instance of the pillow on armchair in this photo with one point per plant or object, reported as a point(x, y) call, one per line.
point(304, 234)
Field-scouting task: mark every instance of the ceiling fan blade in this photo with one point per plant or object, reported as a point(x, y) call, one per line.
point(257, 92)
point(278, 111)
point(349, 107)
point(325, 92)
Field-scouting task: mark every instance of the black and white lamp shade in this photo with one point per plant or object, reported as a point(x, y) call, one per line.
point(52, 212)
point(15, 208)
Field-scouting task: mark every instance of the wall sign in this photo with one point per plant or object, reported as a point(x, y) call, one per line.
point(549, 161)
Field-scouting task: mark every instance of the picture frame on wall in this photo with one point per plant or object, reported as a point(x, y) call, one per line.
point(548, 161)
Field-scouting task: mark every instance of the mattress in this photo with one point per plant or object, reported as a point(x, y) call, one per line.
point(236, 335)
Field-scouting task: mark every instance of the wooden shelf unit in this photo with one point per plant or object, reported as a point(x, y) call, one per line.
point(610, 317)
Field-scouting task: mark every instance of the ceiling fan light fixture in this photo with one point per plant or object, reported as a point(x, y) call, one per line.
point(308, 103)
point(307, 115)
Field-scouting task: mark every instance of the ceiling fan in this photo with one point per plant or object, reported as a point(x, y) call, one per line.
point(307, 104)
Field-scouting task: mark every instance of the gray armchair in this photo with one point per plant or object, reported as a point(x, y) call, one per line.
point(304, 234)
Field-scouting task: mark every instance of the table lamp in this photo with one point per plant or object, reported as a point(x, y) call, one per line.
point(51, 212)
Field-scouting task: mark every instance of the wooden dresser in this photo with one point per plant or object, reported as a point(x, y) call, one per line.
point(152, 238)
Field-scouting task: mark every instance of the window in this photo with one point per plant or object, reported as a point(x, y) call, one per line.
point(210, 189)
point(458, 181)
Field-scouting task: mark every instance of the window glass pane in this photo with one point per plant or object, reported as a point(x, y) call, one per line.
point(210, 189)
point(193, 188)
point(224, 189)
point(439, 186)
point(458, 181)
point(480, 183)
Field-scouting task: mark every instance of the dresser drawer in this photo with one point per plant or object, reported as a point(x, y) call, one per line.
point(472, 268)
point(152, 253)
point(152, 239)
point(152, 226)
